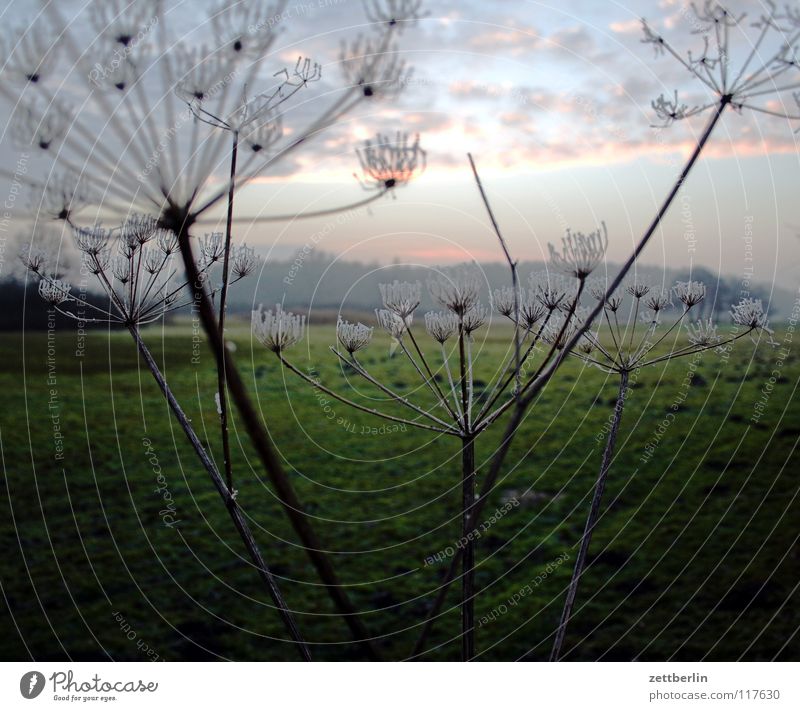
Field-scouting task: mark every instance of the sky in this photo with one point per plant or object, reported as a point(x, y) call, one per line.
point(553, 100)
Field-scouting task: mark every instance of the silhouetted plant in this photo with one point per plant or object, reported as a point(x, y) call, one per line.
point(454, 412)
point(624, 352)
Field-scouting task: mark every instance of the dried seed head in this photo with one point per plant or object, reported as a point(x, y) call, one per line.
point(34, 259)
point(387, 164)
point(504, 301)
point(474, 319)
point(100, 262)
point(457, 290)
point(212, 247)
point(393, 14)
point(671, 110)
point(401, 297)
point(121, 269)
point(121, 23)
point(167, 242)
point(750, 314)
point(441, 325)
point(153, 261)
point(264, 135)
point(353, 336)
point(26, 54)
point(243, 261)
point(245, 28)
point(613, 303)
point(54, 291)
point(580, 253)
point(532, 310)
point(552, 334)
point(63, 195)
point(702, 333)
point(40, 125)
point(550, 289)
point(689, 293)
point(767, 56)
point(373, 67)
point(201, 71)
point(638, 289)
point(138, 229)
point(390, 322)
point(91, 240)
point(658, 300)
point(277, 330)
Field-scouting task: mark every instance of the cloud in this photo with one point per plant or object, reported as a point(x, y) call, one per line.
point(626, 27)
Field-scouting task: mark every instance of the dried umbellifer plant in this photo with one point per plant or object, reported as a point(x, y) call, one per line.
point(134, 265)
point(740, 71)
point(616, 347)
point(172, 112)
point(455, 411)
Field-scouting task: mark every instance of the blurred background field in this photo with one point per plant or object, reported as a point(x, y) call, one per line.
point(695, 556)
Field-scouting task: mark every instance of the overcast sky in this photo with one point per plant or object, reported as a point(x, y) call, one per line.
point(553, 100)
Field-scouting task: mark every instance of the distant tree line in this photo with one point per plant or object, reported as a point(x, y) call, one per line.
point(330, 286)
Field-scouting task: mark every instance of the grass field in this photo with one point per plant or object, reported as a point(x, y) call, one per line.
point(695, 556)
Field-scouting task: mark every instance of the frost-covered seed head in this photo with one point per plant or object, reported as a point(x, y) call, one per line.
point(91, 240)
point(401, 297)
point(550, 335)
point(138, 229)
point(457, 290)
point(638, 289)
point(212, 247)
point(504, 301)
point(702, 332)
point(121, 269)
point(580, 253)
point(167, 242)
point(658, 300)
point(550, 288)
point(277, 330)
point(474, 319)
point(689, 293)
point(532, 310)
point(390, 322)
point(387, 163)
point(613, 303)
point(152, 261)
point(54, 291)
point(441, 325)
point(750, 314)
point(243, 261)
point(34, 259)
point(353, 336)
point(100, 262)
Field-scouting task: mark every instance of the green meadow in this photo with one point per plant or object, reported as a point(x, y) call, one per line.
point(116, 546)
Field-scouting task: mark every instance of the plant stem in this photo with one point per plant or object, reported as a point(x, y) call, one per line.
point(292, 217)
point(259, 436)
point(542, 378)
point(594, 513)
point(512, 265)
point(223, 298)
point(468, 564)
point(230, 503)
